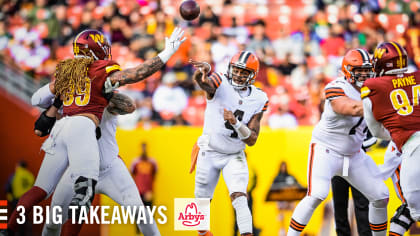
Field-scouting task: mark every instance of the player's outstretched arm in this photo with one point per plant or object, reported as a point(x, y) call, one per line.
point(346, 106)
point(247, 133)
point(121, 104)
point(150, 66)
point(200, 76)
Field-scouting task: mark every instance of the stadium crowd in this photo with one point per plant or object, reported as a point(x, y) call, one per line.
point(299, 43)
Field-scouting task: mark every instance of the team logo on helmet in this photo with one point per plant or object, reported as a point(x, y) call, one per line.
point(378, 53)
point(92, 43)
point(389, 58)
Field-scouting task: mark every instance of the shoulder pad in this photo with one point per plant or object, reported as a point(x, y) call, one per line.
point(112, 66)
point(216, 79)
point(364, 92)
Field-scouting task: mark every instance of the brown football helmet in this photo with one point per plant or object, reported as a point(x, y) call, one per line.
point(92, 43)
point(389, 58)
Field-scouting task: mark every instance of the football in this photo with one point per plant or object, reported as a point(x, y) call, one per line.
point(189, 10)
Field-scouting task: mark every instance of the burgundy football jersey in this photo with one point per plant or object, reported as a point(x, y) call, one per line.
point(395, 103)
point(91, 99)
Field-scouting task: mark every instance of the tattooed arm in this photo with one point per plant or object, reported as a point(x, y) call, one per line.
point(121, 104)
point(200, 76)
point(137, 74)
point(247, 133)
point(254, 126)
point(152, 65)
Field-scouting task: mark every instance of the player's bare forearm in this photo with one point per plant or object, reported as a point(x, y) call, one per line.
point(254, 126)
point(51, 111)
point(137, 74)
point(52, 87)
point(204, 83)
point(121, 104)
point(347, 106)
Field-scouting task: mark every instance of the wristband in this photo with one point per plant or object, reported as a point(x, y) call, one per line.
point(237, 124)
point(57, 102)
point(243, 131)
point(164, 56)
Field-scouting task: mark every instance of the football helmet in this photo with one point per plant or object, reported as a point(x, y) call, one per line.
point(389, 58)
point(356, 59)
point(247, 61)
point(92, 43)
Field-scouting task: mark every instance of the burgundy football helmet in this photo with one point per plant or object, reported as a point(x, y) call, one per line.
point(389, 58)
point(92, 43)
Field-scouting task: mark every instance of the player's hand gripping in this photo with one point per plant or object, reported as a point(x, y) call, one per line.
point(200, 76)
point(108, 87)
point(228, 115)
point(172, 44)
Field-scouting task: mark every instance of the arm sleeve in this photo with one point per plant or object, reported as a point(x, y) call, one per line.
point(112, 67)
point(265, 107)
point(377, 129)
point(43, 97)
point(216, 79)
point(333, 92)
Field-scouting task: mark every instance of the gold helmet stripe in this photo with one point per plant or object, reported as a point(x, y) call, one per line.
point(399, 54)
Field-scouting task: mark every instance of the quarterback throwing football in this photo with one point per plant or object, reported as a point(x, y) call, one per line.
point(232, 119)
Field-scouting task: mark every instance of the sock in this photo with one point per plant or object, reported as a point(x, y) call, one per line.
point(302, 214)
point(378, 219)
point(396, 229)
point(32, 197)
point(392, 233)
point(243, 214)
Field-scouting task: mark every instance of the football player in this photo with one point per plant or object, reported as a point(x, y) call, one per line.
point(336, 148)
point(232, 120)
point(114, 179)
point(401, 221)
point(80, 82)
point(391, 110)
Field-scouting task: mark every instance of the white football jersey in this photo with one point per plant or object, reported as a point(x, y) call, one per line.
point(341, 133)
point(108, 147)
point(220, 135)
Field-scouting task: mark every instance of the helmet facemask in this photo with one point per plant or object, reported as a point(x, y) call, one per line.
point(355, 78)
point(247, 82)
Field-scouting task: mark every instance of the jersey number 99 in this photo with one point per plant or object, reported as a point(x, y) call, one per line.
point(81, 97)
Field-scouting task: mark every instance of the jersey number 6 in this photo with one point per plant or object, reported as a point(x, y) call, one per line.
point(239, 115)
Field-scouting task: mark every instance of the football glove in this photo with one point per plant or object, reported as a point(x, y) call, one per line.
point(44, 124)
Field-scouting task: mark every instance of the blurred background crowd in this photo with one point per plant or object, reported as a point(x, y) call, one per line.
point(300, 44)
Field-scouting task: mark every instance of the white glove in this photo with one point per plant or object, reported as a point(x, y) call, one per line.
point(109, 88)
point(172, 44)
